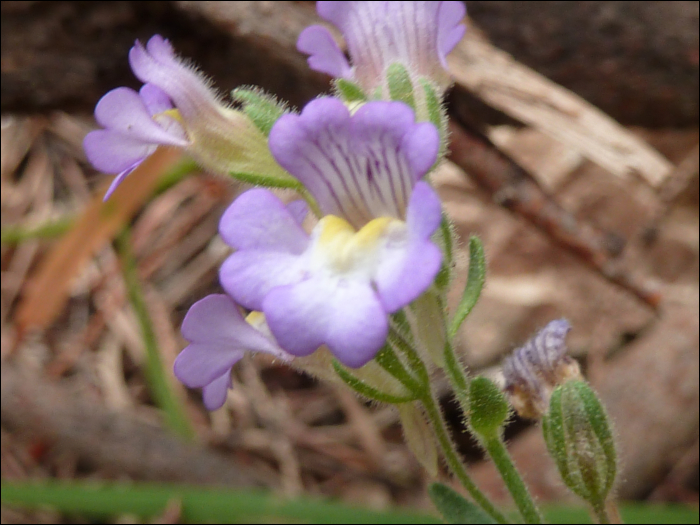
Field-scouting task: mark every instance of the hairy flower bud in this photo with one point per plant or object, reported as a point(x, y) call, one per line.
point(578, 437)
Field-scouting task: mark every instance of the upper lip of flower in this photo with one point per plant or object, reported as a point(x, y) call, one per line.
point(417, 34)
point(358, 167)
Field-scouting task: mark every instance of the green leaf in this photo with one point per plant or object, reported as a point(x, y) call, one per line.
point(349, 91)
point(262, 108)
point(475, 282)
point(148, 501)
point(455, 508)
point(400, 85)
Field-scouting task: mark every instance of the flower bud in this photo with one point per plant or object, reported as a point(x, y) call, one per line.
point(579, 439)
point(488, 407)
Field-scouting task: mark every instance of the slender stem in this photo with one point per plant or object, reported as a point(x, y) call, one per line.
point(158, 382)
point(606, 513)
point(498, 452)
point(458, 378)
point(454, 461)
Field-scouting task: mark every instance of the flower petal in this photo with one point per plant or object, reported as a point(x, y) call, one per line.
point(450, 28)
point(417, 35)
point(356, 167)
point(123, 110)
point(258, 219)
point(214, 394)
point(157, 64)
point(201, 363)
point(345, 315)
point(424, 211)
point(112, 152)
point(119, 179)
point(216, 319)
point(408, 266)
point(299, 210)
point(324, 53)
point(249, 275)
point(155, 99)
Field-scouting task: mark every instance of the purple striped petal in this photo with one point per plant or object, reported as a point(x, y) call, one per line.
point(357, 167)
point(157, 64)
point(417, 35)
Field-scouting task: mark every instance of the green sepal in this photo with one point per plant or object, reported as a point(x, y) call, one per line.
point(579, 439)
point(366, 390)
point(349, 91)
point(389, 361)
point(262, 108)
point(488, 408)
point(400, 84)
point(454, 507)
point(445, 240)
point(475, 282)
point(269, 181)
point(435, 111)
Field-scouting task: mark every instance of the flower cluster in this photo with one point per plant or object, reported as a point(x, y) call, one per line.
point(330, 280)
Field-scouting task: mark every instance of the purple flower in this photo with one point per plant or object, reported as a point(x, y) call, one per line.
point(371, 253)
point(417, 35)
point(219, 337)
point(135, 124)
point(532, 371)
point(175, 107)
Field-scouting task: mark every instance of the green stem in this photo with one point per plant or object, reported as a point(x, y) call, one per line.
point(159, 383)
point(499, 454)
point(601, 513)
point(454, 461)
point(47, 230)
point(458, 378)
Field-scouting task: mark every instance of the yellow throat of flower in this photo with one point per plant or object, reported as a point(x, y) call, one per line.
point(344, 248)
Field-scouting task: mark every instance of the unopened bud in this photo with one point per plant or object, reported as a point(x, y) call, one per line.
point(579, 439)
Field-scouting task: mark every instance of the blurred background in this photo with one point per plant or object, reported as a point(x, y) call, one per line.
point(574, 157)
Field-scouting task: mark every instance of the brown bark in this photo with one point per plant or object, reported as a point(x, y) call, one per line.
point(637, 61)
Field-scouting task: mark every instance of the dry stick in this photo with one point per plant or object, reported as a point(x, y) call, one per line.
point(513, 188)
point(118, 442)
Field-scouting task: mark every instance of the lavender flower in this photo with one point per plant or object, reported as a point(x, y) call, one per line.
point(536, 368)
point(218, 337)
point(418, 35)
point(370, 254)
point(175, 107)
